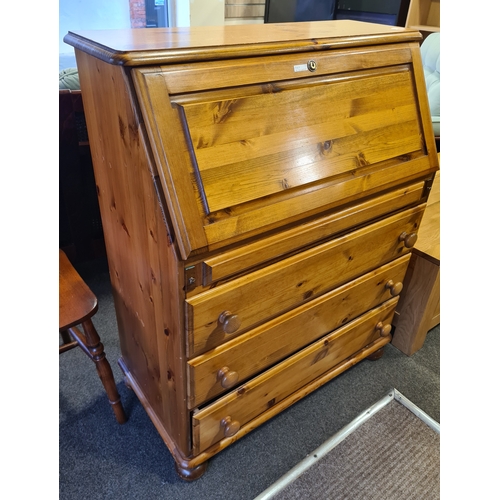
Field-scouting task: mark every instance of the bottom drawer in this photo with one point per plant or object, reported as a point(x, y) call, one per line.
point(226, 416)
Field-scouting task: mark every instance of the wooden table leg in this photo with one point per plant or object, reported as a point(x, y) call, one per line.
point(418, 309)
point(91, 343)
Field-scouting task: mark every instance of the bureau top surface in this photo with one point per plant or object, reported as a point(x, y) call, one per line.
point(135, 47)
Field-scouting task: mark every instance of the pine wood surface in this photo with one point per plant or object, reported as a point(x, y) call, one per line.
point(238, 163)
point(77, 302)
point(290, 282)
point(196, 43)
point(140, 254)
point(231, 262)
point(276, 384)
point(263, 346)
point(250, 172)
point(260, 198)
point(428, 244)
point(253, 71)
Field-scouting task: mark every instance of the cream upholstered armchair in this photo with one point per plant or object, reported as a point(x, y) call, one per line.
point(430, 51)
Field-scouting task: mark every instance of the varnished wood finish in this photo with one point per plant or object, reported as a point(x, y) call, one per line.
point(140, 252)
point(191, 473)
point(274, 385)
point(419, 308)
point(224, 264)
point(77, 302)
point(250, 171)
point(77, 305)
point(271, 342)
point(295, 280)
point(168, 45)
point(366, 352)
point(259, 210)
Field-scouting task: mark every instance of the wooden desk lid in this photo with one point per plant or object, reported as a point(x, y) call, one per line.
point(246, 145)
point(136, 47)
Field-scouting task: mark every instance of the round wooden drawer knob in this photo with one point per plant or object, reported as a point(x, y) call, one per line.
point(230, 426)
point(408, 239)
point(385, 330)
point(226, 377)
point(230, 322)
point(394, 288)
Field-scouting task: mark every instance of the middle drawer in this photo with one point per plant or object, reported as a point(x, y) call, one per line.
point(220, 314)
point(235, 361)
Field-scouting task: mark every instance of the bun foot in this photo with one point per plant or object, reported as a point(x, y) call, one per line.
point(191, 474)
point(376, 355)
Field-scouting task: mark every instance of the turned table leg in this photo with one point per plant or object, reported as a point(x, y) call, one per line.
point(92, 345)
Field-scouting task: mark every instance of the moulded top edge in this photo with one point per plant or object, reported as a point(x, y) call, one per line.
point(143, 46)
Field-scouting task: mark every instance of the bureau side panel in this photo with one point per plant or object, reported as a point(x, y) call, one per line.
point(144, 270)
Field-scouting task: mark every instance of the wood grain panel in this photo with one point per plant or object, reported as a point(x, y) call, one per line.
point(215, 142)
point(274, 70)
point(287, 206)
point(243, 154)
point(237, 172)
point(164, 128)
point(274, 385)
point(270, 343)
point(137, 245)
point(268, 292)
point(245, 11)
point(142, 47)
point(221, 266)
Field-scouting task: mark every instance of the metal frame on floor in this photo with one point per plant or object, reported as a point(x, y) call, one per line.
point(337, 438)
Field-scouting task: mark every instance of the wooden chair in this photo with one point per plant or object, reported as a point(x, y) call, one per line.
point(77, 305)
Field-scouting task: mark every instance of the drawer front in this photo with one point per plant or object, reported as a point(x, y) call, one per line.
point(218, 315)
point(235, 261)
point(226, 416)
point(216, 371)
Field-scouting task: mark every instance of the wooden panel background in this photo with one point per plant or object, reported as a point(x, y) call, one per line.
point(244, 9)
point(243, 154)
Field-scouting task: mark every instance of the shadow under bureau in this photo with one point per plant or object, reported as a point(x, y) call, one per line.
point(261, 188)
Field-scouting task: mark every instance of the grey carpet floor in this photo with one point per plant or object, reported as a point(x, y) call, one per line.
point(99, 459)
point(392, 456)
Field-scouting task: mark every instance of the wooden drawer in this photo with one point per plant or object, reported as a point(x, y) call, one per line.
point(221, 368)
point(219, 267)
point(218, 315)
point(227, 415)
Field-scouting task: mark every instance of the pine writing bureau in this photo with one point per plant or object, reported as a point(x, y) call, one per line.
point(261, 187)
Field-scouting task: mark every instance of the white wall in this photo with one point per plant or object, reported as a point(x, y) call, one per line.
point(88, 15)
point(184, 13)
point(207, 12)
point(115, 14)
point(178, 13)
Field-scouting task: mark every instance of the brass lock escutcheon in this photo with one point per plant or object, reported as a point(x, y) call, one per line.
point(311, 65)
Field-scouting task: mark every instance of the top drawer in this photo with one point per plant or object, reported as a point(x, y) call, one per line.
point(224, 312)
point(264, 142)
